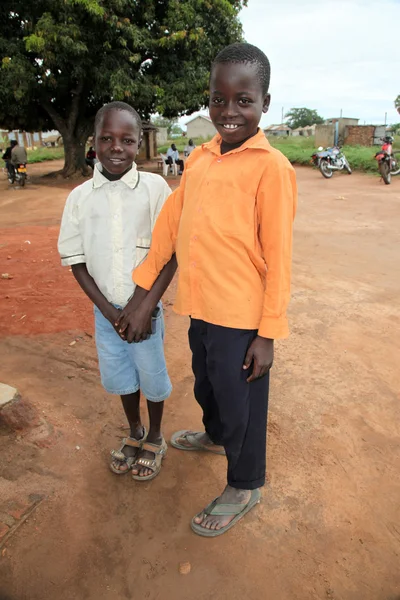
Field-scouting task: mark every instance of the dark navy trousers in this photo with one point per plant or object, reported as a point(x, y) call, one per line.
point(234, 411)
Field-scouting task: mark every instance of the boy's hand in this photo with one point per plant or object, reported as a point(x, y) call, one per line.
point(112, 314)
point(261, 355)
point(134, 323)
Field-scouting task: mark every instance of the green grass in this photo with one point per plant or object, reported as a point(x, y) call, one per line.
point(42, 154)
point(180, 143)
point(299, 150)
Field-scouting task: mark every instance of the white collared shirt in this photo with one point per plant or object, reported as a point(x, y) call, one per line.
point(108, 225)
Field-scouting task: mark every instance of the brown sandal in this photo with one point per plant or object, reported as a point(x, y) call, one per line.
point(155, 464)
point(129, 461)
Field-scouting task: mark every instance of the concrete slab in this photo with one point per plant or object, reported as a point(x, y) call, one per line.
point(7, 394)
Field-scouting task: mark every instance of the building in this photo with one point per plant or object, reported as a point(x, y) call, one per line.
point(333, 131)
point(162, 136)
point(282, 130)
point(200, 127)
point(306, 131)
point(148, 149)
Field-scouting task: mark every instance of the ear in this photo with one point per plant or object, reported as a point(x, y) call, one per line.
point(140, 142)
point(266, 102)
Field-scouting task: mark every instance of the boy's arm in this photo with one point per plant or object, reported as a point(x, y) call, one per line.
point(134, 323)
point(72, 254)
point(276, 208)
point(91, 290)
point(163, 240)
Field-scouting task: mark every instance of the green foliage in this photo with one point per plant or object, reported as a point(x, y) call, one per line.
point(397, 103)
point(170, 124)
point(301, 117)
point(299, 150)
point(61, 60)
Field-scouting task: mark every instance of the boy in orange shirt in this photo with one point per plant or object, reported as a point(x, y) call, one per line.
point(230, 224)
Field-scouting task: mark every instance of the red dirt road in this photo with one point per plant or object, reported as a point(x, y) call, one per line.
point(328, 525)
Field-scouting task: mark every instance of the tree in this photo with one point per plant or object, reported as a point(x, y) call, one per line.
point(301, 117)
point(61, 60)
point(397, 104)
point(171, 125)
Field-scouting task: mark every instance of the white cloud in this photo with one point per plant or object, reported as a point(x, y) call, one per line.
point(330, 56)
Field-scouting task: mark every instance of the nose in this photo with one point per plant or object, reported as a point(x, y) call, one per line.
point(116, 147)
point(229, 109)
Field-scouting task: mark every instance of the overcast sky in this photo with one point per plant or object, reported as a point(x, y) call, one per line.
point(329, 56)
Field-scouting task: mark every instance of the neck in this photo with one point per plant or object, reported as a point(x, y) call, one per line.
point(112, 176)
point(225, 147)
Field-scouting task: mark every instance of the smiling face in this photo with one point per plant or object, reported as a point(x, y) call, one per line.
point(236, 101)
point(117, 140)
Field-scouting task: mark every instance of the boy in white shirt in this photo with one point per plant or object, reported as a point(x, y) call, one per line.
point(105, 233)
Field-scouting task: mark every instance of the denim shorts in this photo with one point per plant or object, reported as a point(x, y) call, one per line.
point(126, 368)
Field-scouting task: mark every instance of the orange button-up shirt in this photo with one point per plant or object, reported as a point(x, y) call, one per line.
point(230, 223)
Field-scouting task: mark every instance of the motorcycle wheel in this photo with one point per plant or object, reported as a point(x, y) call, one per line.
point(326, 171)
point(384, 170)
point(347, 167)
point(22, 180)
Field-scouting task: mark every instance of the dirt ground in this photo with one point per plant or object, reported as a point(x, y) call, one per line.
point(329, 522)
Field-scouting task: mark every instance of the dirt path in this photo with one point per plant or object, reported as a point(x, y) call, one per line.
point(328, 526)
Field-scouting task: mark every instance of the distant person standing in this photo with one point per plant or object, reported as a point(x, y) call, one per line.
point(18, 154)
point(189, 148)
point(173, 157)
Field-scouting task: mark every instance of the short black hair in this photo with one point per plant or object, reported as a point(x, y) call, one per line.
point(117, 106)
point(241, 52)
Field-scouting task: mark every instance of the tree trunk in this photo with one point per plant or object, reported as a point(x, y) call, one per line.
point(74, 151)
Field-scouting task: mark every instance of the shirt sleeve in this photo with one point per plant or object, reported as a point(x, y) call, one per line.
point(276, 207)
point(163, 240)
point(70, 244)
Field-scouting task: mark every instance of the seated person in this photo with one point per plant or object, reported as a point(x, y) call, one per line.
point(91, 157)
point(173, 157)
point(189, 148)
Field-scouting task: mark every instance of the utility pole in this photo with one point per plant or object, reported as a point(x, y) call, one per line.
point(385, 118)
point(341, 112)
point(283, 110)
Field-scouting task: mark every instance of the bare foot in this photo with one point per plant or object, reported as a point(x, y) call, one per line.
point(201, 438)
point(230, 495)
point(129, 451)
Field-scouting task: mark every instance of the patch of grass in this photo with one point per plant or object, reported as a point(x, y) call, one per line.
point(42, 154)
point(299, 150)
point(180, 143)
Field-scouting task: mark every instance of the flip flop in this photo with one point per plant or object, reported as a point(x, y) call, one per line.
point(190, 436)
point(225, 509)
point(153, 464)
point(118, 455)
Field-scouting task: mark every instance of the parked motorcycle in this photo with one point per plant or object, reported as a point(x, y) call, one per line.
point(18, 174)
point(330, 160)
point(388, 165)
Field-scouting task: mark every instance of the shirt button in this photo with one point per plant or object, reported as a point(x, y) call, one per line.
point(219, 160)
point(193, 264)
point(194, 238)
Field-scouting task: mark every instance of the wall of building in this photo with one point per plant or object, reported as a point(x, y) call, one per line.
point(162, 136)
point(200, 128)
point(359, 135)
point(324, 135)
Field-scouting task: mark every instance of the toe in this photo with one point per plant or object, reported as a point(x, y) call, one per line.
point(199, 518)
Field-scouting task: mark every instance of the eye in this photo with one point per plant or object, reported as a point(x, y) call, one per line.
point(105, 138)
point(129, 141)
point(217, 100)
point(245, 101)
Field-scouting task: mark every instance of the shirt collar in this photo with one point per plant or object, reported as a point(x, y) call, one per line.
point(130, 178)
point(257, 142)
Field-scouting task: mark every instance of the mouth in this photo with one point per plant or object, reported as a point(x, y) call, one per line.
point(230, 126)
point(116, 161)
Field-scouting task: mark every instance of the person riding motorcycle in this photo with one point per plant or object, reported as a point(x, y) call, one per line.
point(7, 157)
point(18, 154)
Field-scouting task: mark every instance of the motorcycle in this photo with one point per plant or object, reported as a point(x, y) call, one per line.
point(18, 174)
point(388, 165)
point(330, 160)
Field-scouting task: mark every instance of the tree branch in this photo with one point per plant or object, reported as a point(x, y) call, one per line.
point(74, 112)
point(58, 121)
